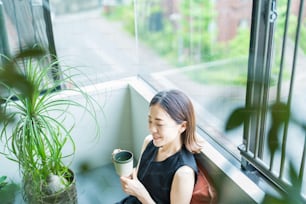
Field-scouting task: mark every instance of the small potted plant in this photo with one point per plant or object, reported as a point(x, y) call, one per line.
point(36, 137)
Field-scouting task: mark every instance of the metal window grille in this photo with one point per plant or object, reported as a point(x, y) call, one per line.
point(270, 52)
point(27, 23)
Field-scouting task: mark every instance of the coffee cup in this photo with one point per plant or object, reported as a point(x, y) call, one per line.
point(123, 162)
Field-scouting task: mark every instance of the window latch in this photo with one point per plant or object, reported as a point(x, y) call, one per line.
point(273, 12)
point(242, 147)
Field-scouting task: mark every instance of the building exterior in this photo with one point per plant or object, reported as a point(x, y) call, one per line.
point(231, 15)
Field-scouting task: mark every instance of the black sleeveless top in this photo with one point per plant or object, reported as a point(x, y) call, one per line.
point(157, 176)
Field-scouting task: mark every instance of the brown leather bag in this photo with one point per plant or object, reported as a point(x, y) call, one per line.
point(204, 191)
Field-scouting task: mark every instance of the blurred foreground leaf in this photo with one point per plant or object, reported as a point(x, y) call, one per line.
point(293, 192)
point(280, 114)
point(8, 193)
point(237, 118)
point(11, 77)
point(2, 182)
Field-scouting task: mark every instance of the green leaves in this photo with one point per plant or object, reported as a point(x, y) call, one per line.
point(8, 190)
point(36, 138)
point(2, 182)
point(237, 118)
point(10, 75)
point(12, 78)
point(280, 114)
point(30, 53)
point(293, 191)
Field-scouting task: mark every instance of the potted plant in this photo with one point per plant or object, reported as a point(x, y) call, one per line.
point(36, 137)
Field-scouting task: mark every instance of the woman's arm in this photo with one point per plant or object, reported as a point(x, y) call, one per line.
point(132, 186)
point(182, 185)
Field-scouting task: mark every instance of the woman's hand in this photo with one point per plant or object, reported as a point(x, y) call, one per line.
point(132, 186)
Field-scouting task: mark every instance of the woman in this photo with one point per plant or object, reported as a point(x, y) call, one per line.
point(167, 169)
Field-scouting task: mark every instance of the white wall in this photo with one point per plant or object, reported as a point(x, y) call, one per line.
point(140, 95)
point(115, 127)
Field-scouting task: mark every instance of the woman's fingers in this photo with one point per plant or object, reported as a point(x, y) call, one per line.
point(134, 174)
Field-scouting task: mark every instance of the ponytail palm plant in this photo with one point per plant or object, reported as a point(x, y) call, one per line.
point(36, 137)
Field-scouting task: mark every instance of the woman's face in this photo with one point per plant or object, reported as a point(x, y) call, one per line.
point(162, 127)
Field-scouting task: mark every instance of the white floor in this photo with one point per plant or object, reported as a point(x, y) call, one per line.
point(99, 186)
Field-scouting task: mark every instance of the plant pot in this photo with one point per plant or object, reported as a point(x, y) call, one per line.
point(65, 196)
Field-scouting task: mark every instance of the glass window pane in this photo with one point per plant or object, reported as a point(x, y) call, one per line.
point(206, 44)
point(198, 46)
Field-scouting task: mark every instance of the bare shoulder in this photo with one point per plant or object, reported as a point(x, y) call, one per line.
point(184, 172)
point(182, 185)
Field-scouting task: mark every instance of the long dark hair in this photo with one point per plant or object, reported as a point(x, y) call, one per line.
point(180, 109)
